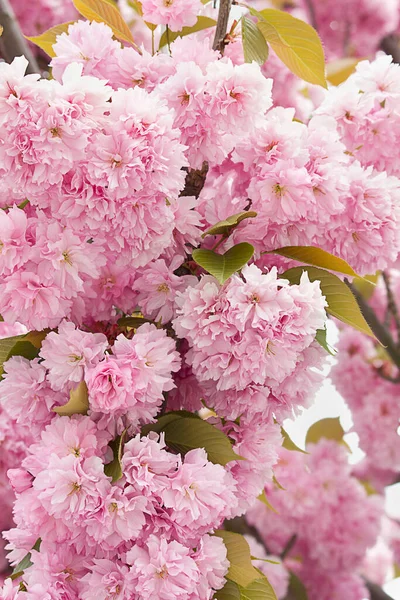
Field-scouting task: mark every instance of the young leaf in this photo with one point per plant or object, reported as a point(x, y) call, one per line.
point(222, 266)
point(19, 345)
point(316, 257)
point(201, 23)
point(260, 589)
point(296, 43)
point(46, 40)
point(226, 225)
point(105, 12)
point(329, 428)
point(255, 47)
point(263, 498)
point(26, 562)
point(296, 588)
point(78, 403)
point(134, 322)
point(289, 444)
point(241, 570)
point(341, 302)
point(366, 286)
point(230, 591)
point(320, 337)
point(185, 433)
point(339, 70)
point(114, 469)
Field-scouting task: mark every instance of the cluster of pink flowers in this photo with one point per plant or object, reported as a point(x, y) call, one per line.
point(330, 515)
point(146, 537)
point(247, 337)
point(101, 209)
point(359, 376)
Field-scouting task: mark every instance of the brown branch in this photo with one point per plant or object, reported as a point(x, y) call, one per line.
point(222, 24)
point(12, 42)
point(376, 592)
point(312, 14)
point(390, 44)
point(391, 304)
point(380, 331)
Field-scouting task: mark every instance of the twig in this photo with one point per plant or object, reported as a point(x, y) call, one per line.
point(222, 24)
point(289, 546)
point(12, 42)
point(391, 304)
point(311, 12)
point(391, 45)
point(376, 592)
point(380, 331)
point(388, 377)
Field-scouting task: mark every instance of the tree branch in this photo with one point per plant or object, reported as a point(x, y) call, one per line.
point(392, 306)
point(390, 44)
point(12, 42)
point(222, 24)
point(380, 331)
point(312, 15)
point(376, 592)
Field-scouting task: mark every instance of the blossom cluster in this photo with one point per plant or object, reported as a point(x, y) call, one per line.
point(101, 211)
point(146, 534)
point(329, 513)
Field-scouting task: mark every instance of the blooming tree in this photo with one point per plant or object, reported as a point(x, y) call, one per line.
point(184, 204)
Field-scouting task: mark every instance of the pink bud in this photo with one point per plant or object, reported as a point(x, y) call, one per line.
point(20, 480)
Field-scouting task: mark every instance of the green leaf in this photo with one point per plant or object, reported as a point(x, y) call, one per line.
point(185, 433)
point(339, 70)
point(289, 444)
point(366, 286)
point(78, 403)
point(114, 468)
point(263, 498)
point(320, 337)
point(341, 302)
point(201, 23)
point(296, 588)
point(329, 428)
point(316, 257)
point(230, 591)
point(26, 345)
point(255, 46)
point(226, 226)
point(222, 266)
point(276, 482)
point(46, 40)
point(105, 12)
point(261, 589)
point(134, 322)
point(396, 568)
point(296, 43)
point(26, 562)
point(241, 570)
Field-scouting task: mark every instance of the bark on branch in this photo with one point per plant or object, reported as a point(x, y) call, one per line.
point(380, 331)
point(12, 42)
point(390, 44)
point(376, 592)
point(222, 25)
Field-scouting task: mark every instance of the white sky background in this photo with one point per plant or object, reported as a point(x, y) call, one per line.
point(329, 403)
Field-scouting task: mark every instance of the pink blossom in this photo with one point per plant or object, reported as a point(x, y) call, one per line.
point(163, 569)
point(176, 14)
point(199, 493)
point(69, 352)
